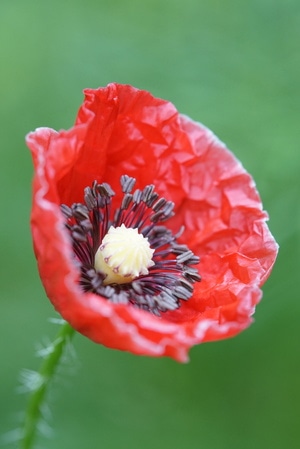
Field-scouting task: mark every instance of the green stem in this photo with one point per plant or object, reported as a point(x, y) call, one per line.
point(37, 396)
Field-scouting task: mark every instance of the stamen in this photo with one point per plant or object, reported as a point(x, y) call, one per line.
point(130, 258)
point(127, 183)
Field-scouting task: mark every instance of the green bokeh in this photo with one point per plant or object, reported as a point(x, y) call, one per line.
point(233, 65)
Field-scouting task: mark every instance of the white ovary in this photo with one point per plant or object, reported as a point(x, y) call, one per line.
point(124, 254)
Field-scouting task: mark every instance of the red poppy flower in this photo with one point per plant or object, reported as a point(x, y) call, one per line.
point(122, 133)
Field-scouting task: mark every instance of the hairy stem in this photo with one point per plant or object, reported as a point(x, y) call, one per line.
point(45, 374)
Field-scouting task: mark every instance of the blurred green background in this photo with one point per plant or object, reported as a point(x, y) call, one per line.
point(233, 65)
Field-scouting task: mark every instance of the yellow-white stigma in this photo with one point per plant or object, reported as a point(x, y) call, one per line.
point(123, 255)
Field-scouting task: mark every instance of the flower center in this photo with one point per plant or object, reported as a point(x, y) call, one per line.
point(127, 255)
point(123, 255)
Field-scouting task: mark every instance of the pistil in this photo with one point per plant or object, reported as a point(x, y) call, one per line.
point(123, 255)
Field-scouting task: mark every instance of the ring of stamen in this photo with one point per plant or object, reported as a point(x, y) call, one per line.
point(155, 272)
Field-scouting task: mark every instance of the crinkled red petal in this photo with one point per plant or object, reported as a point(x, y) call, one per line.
point(123, 130)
